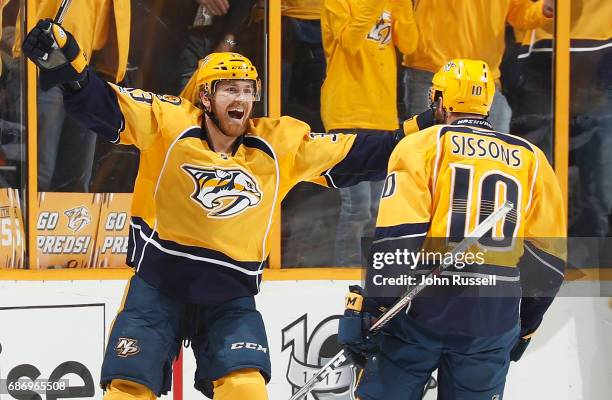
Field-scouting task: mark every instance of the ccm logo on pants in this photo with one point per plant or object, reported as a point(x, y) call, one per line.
point(250, 346)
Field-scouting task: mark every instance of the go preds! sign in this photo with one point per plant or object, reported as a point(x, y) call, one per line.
point(310, 353)
point(82, 230)
point(66, 229)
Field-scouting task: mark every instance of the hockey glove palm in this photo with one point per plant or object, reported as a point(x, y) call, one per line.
point(354, 327)
point(56, 52)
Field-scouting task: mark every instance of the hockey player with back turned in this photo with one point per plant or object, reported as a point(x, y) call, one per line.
point(442, 182)
point(209, 181)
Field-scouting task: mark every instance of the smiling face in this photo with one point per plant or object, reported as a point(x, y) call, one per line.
point(232, 104)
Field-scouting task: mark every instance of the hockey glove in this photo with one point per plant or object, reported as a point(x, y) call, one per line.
point(354, 327)
point(519, 348)
point(57, 54)
point(419, 122)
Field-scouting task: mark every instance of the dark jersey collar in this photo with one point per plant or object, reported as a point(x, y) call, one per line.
point(474, 122)
point(205, 137)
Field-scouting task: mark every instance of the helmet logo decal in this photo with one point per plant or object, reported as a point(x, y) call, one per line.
point(465, 86)
point(224, 193)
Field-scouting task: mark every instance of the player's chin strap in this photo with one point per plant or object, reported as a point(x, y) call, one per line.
point(434, 108)
point(212, 115)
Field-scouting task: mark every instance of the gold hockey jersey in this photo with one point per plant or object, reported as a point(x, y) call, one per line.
point(360, 39)
point(445, 180)
point(201, 220)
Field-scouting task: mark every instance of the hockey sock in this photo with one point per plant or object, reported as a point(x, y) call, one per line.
point(245, 384)
point(120, 389)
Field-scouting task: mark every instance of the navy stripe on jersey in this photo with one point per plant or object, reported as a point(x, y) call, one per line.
point(502, 136)
point(541, 277)
point(549, 262)
point(96, 106)
point(576, 45)
point(542, 273)
point(181, 271)
point(474, 122)
point(366, 161)
point(248, 266)
point(399, 231)
point(405, 238)
point(257, 143)
point(193, 132)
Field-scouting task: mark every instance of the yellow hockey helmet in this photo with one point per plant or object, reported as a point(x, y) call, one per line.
point(467, 86)
point(218, 67)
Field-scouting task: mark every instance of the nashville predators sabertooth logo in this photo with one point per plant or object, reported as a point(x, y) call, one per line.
point(224, 193)
point(78, 217)
point(381, 32)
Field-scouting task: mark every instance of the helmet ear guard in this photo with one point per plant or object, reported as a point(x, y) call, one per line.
point(434, 97)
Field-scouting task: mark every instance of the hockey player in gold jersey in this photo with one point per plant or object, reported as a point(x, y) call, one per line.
point(209, 182)
point(442, 182)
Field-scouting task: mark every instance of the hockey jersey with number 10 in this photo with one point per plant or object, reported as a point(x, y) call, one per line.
point(442, 182)
point(201, 220)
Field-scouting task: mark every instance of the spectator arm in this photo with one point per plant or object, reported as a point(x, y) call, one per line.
point(350, 25)
point(525, 14)
point(405, 30)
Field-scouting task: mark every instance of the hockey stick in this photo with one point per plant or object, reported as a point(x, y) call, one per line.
point(407, 298)
point(59, 18)
point(61, 12)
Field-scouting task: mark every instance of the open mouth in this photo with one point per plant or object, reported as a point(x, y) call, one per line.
point(236, 114)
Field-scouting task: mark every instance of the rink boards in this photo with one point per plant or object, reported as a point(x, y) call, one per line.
point(57, 330)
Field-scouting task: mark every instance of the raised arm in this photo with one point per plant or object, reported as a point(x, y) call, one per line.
point(121, 115)
point(405, 30)
point(526, 14)
point(348, 22)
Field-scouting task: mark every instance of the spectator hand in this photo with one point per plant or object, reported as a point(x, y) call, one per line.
point(216, 8)
point(227, 44)
point(548, 8)
point(57, 54)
